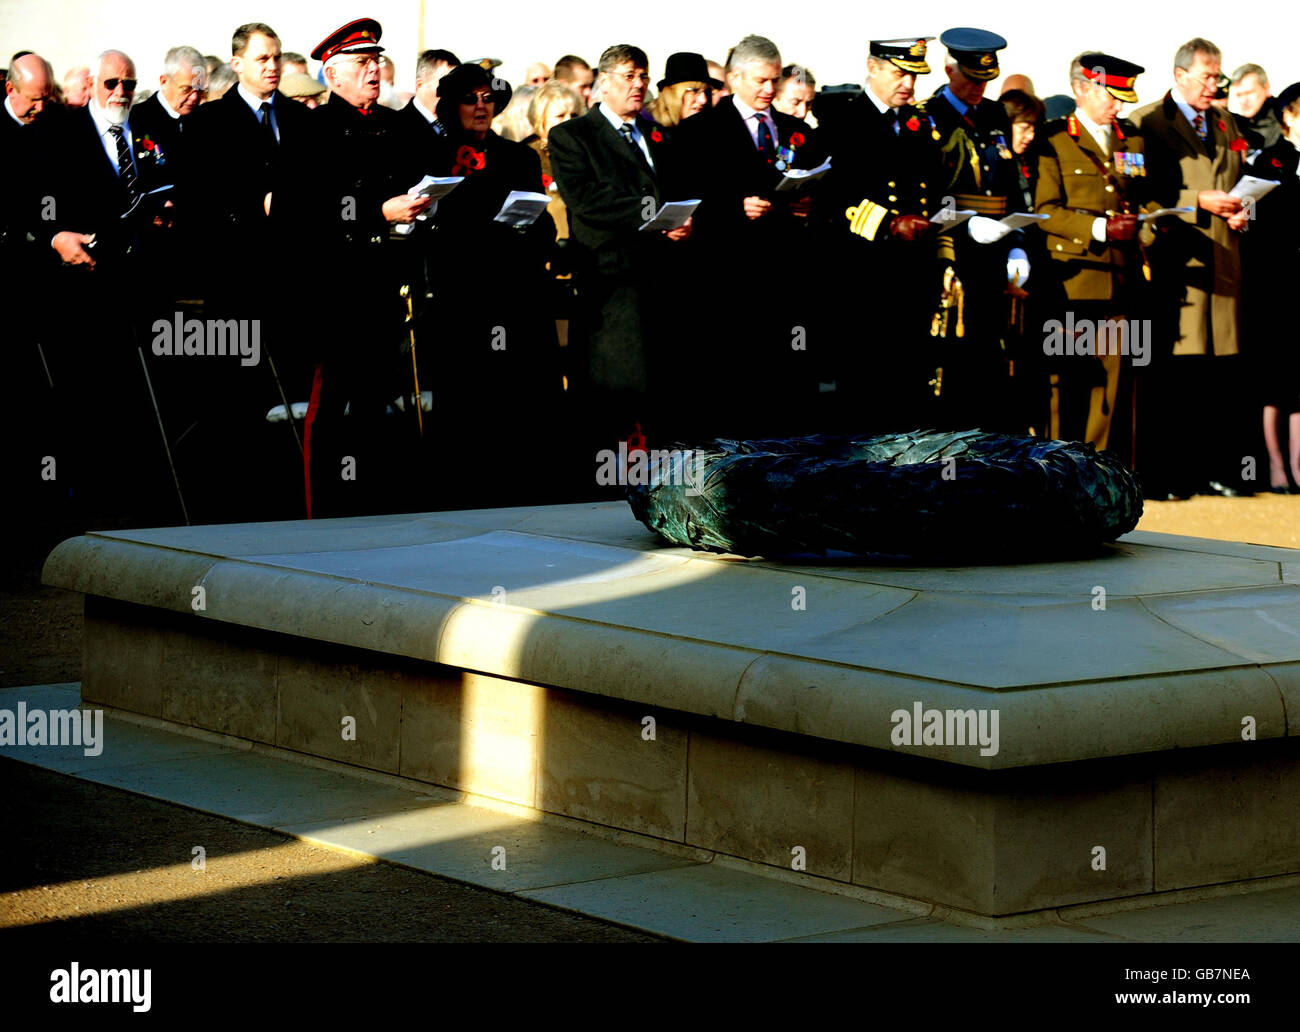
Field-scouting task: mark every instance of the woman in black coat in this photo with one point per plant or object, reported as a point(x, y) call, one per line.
point(497, 384)
point(1270, 253)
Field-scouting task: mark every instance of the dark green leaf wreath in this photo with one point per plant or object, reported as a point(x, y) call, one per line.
point(966, 495)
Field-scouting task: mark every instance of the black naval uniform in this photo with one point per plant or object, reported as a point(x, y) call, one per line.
point(980, 173)
point(882, 367)
point(331, 191)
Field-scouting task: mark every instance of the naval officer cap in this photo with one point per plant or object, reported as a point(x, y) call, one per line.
point(908, 54)
point(975, 51)
point(358, 37)
point(1116, 74)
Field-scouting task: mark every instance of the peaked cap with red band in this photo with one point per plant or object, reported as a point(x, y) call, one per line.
point(358, 37)
point(1116, 74)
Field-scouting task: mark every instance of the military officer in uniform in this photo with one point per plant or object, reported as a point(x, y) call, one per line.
point(874, 209)
point(979, 174)
point(342, 187)
point(1091, 174)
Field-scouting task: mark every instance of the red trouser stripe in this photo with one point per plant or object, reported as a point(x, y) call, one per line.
point(312, 406)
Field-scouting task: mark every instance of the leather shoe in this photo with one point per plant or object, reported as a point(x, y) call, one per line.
point(1225, 490)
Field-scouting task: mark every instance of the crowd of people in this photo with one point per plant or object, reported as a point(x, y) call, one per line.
point(258, 293)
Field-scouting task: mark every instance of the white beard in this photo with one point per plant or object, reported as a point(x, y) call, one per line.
point(115, 115)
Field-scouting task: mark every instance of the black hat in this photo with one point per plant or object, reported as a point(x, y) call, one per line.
point(975, 51)
point(908, 54)
point(1286, 98)
point(686, 67)
point(356, 37)
point(460, 80)
point(1116, 74)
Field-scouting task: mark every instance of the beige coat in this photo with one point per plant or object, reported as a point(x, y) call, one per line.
point(1195, 260)
point(1077, 184)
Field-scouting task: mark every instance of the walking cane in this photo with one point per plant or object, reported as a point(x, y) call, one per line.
point(288, 411)
point(415, 372)
point(166, 447)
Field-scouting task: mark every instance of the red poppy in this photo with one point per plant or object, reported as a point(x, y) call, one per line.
point(914, 123)
point(468, 160)
point(1238, 144)
point(1277, 162)
point(1223, 126)
point(656, 135)
point(547, 181)
point(796, 140)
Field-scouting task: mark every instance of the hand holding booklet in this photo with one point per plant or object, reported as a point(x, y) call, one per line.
point(672, 215)
point(522, 208)
point(1252, 188)
point(430, 186)
point(802, 178)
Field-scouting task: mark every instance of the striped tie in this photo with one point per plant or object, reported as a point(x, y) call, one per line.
point(126, 169)
point(1199, 126)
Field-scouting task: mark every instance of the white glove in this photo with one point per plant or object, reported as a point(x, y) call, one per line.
point(1018, 264)
point(985, 230)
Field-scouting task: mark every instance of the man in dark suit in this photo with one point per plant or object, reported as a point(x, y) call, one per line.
point(734, 156)
point(162, 118)
point(233, 150)
point(421, 112)
point(108, 232)
point(610, 167)
point(874, 209)
point(27, 408)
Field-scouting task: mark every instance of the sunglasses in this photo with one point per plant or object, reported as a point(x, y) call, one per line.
point(472, 99)
point(127, 84)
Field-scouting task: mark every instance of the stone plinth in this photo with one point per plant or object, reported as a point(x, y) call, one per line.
point(1133, 706)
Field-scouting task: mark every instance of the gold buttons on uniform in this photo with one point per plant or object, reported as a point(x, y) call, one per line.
point(892, 197)
point(892, 184)
point(1110, 189)
point(922, 186)
point(922, 200)
point(1059, 247)
point(1078, 171)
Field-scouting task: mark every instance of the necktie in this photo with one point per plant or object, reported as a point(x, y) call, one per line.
point(125, 168)
point(1199, 126)
point(893, 120)
point(267, 128)
point(625, 131)
point(765, 145)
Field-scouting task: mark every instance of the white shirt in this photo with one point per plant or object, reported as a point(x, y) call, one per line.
point(108, 139)
point(429, 116)
point(752, 117)
point(256, 105)
point(165, 106)
point(883, 108)
point(637, 135)
point(1100, 133)
point(10, 108)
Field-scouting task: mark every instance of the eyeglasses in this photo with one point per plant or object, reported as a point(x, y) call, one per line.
point(633, 77)
point(127, 84)
point(1206, 82)
point(364, 60)
point(473, 99)
point(695, 89)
